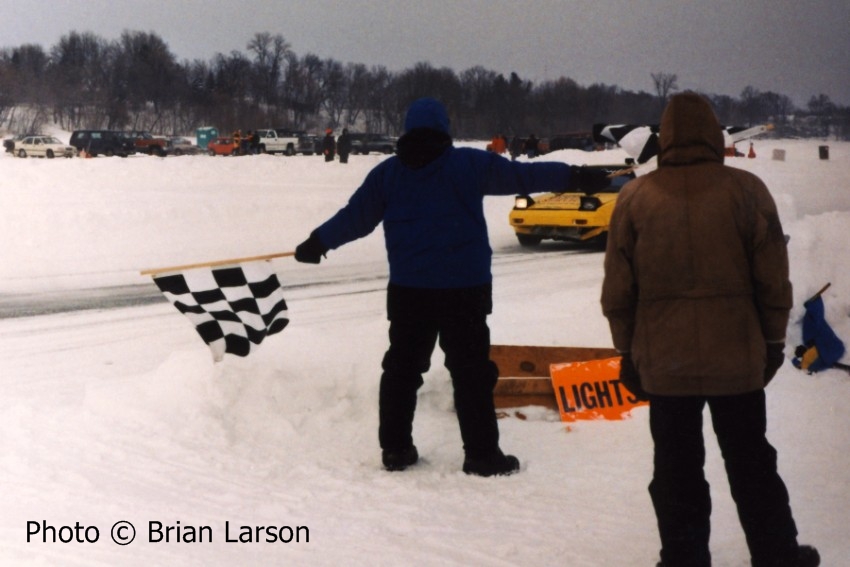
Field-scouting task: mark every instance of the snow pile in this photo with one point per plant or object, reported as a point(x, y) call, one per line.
point(118, 414)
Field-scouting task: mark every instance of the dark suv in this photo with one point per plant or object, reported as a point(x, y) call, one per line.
point(105, 142)
point(363, 143)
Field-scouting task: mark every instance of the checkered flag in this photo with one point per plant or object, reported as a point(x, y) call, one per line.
point(231, 307)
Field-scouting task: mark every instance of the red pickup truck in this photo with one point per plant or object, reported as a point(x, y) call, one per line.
point(148, 144)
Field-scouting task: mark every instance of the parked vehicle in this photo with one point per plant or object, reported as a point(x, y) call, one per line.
point(279, 141)
point(223, 146)
point(146, 143)
point(43, 146)
point(572, 141)
point(103, 142)
point(572, 216)
point(182, 147)
point(364, 143)
point(9, 143)
point(308, 144)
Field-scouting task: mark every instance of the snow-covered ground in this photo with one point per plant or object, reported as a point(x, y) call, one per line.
point(117, 412)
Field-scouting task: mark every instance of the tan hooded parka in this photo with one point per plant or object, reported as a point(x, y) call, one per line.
point(696, 267)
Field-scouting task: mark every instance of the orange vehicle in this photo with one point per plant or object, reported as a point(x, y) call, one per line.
point(223, 147)
point(148, 144)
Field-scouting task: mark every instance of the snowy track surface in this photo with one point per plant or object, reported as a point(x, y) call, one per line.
point(133, 295)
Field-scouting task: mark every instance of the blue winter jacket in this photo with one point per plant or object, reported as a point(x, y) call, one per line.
point(434, 227)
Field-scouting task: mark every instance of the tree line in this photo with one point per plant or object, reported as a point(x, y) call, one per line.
point(137, 83)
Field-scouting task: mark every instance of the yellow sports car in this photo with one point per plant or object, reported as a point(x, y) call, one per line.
point(574, 216)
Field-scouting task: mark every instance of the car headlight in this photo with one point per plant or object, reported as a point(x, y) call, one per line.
point(590, 204)
point(523, 202)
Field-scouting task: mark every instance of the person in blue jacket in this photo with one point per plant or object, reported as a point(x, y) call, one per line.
point(430, 198)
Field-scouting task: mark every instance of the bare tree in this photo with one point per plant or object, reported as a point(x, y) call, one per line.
point(334, 88)
point(359, 82)
point(302, 88)
point(478, 114)
point(823, 108)
point(378, 100)
point(665, 85)
point(270, 55)
point(752, 105)
point(145, 74)
point(81, 68)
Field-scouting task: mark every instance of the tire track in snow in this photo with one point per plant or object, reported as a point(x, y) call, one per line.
point(346, 280)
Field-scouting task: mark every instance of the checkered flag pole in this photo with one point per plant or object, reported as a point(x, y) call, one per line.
point(233, 304)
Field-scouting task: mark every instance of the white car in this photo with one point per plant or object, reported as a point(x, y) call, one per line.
point(43, 146)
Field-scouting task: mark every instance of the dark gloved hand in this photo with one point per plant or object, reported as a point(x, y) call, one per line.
point(587, 179)
point(630, 378)
point(311, 250)
point(775, 358)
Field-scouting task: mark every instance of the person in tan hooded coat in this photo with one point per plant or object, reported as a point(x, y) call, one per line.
point(697, 295)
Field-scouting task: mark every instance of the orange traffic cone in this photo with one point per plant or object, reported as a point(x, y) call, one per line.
point(752, 153)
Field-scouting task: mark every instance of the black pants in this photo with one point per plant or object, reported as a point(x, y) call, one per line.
point(458, 318)
point(680, 493)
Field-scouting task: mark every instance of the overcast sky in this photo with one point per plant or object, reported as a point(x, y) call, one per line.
point(792, 47)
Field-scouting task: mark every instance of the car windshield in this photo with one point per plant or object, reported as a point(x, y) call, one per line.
point(52, 140)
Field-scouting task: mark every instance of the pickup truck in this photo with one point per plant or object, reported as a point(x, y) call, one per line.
point(279, 141)
point(146, 143)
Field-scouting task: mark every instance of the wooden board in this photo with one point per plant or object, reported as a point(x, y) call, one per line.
point(524, 372)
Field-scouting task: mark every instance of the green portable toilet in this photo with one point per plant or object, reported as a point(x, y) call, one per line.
point(206, 135)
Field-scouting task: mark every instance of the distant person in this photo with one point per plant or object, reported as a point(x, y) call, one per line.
point(329, 145)
point(343, 146)
point(429, 197)
point(237, 140)
point(532, 146)
point(498, 144)
point(697, 295)
point(515, 147)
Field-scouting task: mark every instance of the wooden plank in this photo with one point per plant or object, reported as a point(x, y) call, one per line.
point(505, 402)
point(524, 372)
point(533, 361)
point(524, 386)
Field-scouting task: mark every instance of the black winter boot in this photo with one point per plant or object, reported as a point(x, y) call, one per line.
point(400, 460)
point(807, 556)
point(497, 464)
